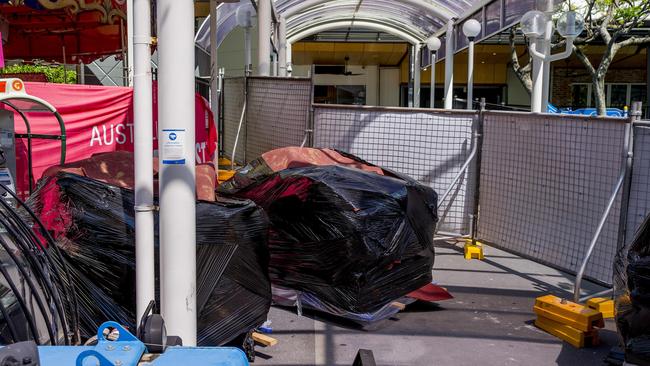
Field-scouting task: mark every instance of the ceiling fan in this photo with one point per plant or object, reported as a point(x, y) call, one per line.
point(345, 71)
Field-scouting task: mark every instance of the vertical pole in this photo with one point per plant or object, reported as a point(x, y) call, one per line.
point(449, 66)
point(647, 76)
point(248, 63)
point(538, 83)
point(214, 65)
point(177, 172)
point(433, 80)
point(264, 37)
point(417, 73)
point(546, 64)
point(547, 82)
point(143, 155)
point(282, 46)
point(635, 115)
point(274, 64)
point(477, 185)
point(411, 99)
point(470, 74)
point(289, 59)
point(130, 48)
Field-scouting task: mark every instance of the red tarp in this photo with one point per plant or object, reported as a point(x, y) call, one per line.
point(97, 119)
point(87, 29)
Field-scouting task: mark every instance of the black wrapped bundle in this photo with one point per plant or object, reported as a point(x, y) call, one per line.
point(93, 223)
point(355, 239)
point(632, 296)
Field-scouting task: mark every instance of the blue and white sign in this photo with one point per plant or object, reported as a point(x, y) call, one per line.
point(173, 146)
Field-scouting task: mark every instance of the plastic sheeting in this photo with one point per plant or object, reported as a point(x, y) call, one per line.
point(93, 223)
point(632, 295)
point(353, 239)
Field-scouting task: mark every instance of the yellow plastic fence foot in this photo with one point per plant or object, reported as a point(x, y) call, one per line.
point(577, 324)
point(571, 335)
point(224, 175)
point(602, 305)
point(473, 251)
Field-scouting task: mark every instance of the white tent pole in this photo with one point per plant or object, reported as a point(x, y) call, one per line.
point(177, 167)
point(449, 65)
point(264, 37)
point(130, 52)
point(282, 46)
point(417, 72)
point(143, 155)
point(214, 66)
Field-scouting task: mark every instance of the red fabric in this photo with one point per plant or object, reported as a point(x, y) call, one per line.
point(431, 293)
point(297, 157)
point(85, 35)
point(97, 119)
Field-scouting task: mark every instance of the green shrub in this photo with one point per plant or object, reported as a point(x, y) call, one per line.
point(54, 74)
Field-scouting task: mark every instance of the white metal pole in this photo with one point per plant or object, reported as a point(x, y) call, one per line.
point(546, 64)
point(449, 65)
point(214, 66)
point(130, 52)
point(82, 73)
point(417, 76)
point(248, 63)
point(264, 37)
point(143, 155)
point(274, 64)
point(538, 81)
point(470, 74)
point(177, 172)
point(282, 46)
point(289, 59)
point(433, 79)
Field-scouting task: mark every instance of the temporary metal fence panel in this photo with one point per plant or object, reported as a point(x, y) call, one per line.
point(545, 183)
point(277, 113)
point(233, 103)
point(429, 146)
point(639, 206)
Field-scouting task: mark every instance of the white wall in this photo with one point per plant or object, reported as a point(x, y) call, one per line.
point(389, 78)
point(517, 94)
point(368, 76)
point(231, 52)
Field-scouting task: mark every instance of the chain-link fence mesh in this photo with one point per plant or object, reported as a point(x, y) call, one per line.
point(545, 183)
point(277, 113)
point(639, 206)
point(233, 103)
point(429, 146)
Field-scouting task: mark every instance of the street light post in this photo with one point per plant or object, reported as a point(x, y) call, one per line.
point(538, 27)
point(433, 44)
point(471, 29)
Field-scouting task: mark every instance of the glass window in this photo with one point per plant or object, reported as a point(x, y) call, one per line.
point(493, 17)
point(581, 96)
point(638, 94)
point(515, 9)
point(351, 94)
point(618, 96)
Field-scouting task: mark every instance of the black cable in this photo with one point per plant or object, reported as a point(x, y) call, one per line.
point(30, 284)
point(21, 302)
point(22, 234)
point(12, 329)
point(35, 262)
point(68, 285)
point(51, 242)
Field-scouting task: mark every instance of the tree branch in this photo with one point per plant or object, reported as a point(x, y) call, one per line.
point(635, 41)
point(523, 73)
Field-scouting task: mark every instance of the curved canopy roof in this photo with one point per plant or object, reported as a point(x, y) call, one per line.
point(411, 20)
point(418, 18)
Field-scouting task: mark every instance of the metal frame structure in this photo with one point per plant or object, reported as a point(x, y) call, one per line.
point(6, 100)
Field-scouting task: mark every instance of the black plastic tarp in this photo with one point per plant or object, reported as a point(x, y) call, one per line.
point(93, 223)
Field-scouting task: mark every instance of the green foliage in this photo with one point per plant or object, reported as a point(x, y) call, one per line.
point(54, 74)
